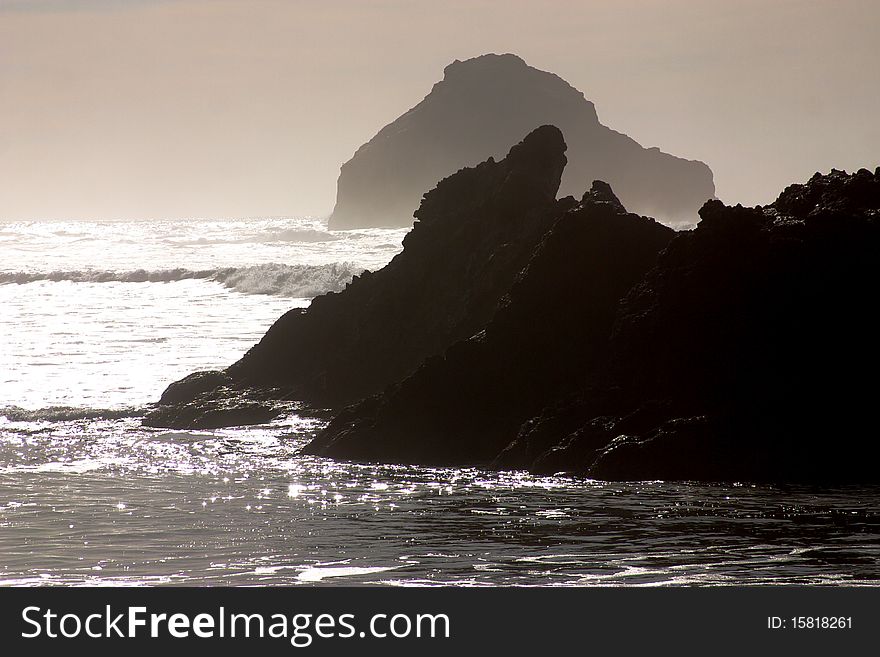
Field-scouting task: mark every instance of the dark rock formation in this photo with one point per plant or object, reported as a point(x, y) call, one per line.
point(547, 339)
point(475, 232)
point(210, 400)
point(483, 105)
point(193, 385)
point(747, 353)
point(525, 332)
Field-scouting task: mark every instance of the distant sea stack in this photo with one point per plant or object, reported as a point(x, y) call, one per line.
point(481, 107)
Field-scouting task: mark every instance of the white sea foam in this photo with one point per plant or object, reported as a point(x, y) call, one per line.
point(104, 314)
point(66, 413)
point(196, 245)
point(270, 278)
point(288, 280)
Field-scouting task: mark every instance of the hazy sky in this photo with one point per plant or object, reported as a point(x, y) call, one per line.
point(152, 108)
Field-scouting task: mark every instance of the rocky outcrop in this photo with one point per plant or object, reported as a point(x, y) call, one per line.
point(518, 331)
point(474, 232)
point(483, 105)
point(746, 353)
point(212, 399)
point(547, 339)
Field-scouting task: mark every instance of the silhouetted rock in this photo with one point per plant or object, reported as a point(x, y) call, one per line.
point(745, 353)
point(213, 410)
point(193, 385)
point(525, 332)
point(475, 232)
point(547, 339)
point(748, 351)
point(483, 105)
point(212, 399)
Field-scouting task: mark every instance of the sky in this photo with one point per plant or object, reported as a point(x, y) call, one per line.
point(117, 109)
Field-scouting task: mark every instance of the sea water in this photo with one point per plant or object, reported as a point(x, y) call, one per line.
point(96, 318)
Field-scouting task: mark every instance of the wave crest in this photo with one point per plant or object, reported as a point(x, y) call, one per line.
point(272, 278)
point(66, 413)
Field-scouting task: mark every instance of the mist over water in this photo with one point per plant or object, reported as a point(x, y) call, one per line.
point(100, 316)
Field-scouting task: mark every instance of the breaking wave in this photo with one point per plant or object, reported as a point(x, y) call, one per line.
point(272, 278)
point(66, 414)
point(303, 236)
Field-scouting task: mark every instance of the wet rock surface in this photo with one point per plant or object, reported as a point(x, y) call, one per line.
point(194, 403)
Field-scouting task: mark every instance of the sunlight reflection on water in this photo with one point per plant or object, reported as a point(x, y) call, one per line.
point(109, 502)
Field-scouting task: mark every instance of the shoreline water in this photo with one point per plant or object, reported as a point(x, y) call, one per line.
point(120, 505)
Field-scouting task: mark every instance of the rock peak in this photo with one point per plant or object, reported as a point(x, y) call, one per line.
point(480, 107)
point(486, 62)
point(541, 146)
point(529, 176)
point(545, 135)
point(601, 192)
point(835, 191)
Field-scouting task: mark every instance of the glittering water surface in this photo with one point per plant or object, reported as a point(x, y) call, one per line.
point(89, 497)
point(107, 502)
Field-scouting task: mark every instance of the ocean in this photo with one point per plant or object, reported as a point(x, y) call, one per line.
point(96, 318)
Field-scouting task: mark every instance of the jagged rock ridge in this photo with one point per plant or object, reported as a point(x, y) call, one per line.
point(744, 353)
point(525, 332)
point(483, 105)
point(547, 339)
point(475, 232)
